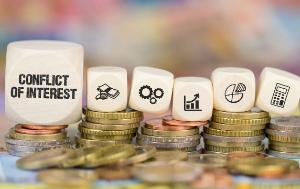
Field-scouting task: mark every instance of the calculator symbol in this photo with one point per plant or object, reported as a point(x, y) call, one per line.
point(279, 95)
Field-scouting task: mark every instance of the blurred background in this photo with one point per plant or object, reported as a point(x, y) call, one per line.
point(186, 37)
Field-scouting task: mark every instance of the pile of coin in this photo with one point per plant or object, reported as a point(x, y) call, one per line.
point(284, 137)
point(169, 134)
point(103, 128)
point(27, 139)
point(229, 131)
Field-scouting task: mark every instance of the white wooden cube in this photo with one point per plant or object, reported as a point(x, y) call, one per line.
point(192, 99)
point(234, 89)
point(278, 91)
point(43, 82)
point(106, 89)
point(151, 90)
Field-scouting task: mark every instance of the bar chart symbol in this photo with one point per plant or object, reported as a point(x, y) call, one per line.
point(192, 105)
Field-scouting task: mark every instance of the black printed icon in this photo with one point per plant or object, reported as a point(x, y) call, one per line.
point(192, 105)
point(235, 92)
point(146, 92)
point(105, 92)
point(279, 95)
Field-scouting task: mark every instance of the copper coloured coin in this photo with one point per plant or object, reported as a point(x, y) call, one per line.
point(20, 129)
point(44, 127)
point(157, 124)
point(168, 120)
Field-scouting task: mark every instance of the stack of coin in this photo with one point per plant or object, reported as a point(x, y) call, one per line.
point(27, 139)
point(284, 137)
point(103, 128)
point(169, 134)
point(229, 131)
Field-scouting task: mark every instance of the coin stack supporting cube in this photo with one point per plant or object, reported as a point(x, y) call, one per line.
point(284, 137)
point(230, 131)
point(169, 134)
point(27, 139)
point(104, 128)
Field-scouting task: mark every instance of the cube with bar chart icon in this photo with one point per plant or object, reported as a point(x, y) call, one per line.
point(278, 91)
point(192, 99)
point(234, 89)
point(106, 89)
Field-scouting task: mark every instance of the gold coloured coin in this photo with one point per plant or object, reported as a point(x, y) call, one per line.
point(82, 142)
point(162, 133)
point(63, 177)
point(208, 160)
point(287, 139)
point(107, 127)
point(236, 121)
point(170, 156)
point(142, 153)
point(218, 132)
point(104, 137)
point(109, 154)
point(126, 114)
point(254, 113)
point(45, 159)
point(284, 144)
point(257, 166)
point(239, 154)
point(284, 148)
point(183, 149)
point(79, 157)
point(232, 144)
point(85, 130)
point(163, 172)
point(20, 136)
point(232, 149)
point(236, 127)
point(114, 121)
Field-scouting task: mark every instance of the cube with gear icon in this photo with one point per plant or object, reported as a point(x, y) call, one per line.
point(151, 90)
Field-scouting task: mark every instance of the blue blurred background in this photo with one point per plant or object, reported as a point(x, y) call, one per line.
point(186, 37)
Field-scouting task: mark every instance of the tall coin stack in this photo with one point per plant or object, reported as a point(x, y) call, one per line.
point(104, 128)
point(27, 139)
point(169, 134)
point(230, 131)
point(284, 137)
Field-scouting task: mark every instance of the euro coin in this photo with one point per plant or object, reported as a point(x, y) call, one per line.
point(208, 160)
point(233, 139)
point(218, 132)
point(148, 138)
point(114, 121)
point(232, 144)
point(20, 129)
point(126, 114)
point(170, 145)
point(254, 113)
point(240, 127)
point(163, 133)
point(107, 137)
point(157, 124)
point(142, 153)
point(286, 123)
point(82, 142)
point(238, 121)
point(170, 156)
point(109, 155)
point(21, 136)
point(256, 166)
point(232, 149)
point(48, 127)
point(162, 172)
point(237, 155)
point(45, 159)
point(287, 155)
point(106, 127)
point(85, 130)
point(168, 120)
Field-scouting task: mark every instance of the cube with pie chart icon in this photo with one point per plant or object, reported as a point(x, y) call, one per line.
point(278, 91)
point(234, 89)
point(192, 99)
point(151, 90)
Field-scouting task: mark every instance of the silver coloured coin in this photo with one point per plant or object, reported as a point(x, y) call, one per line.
point(233, 139)
point(148, 138)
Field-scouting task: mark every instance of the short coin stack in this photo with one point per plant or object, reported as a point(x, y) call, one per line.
point(169, 134)
point(284, 137)
point(104, 128)
point(27, 139)
point(230, 131)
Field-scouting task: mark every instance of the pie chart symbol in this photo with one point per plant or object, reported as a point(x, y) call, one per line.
point(235, 92)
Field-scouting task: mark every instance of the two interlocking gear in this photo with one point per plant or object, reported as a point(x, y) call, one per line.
point(146, 92)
